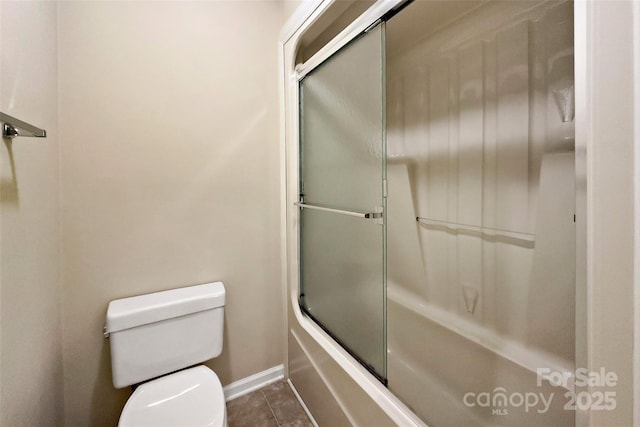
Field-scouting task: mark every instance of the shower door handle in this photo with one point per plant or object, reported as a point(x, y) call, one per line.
point(367, 215)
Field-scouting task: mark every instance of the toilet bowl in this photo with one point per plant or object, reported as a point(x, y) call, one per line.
point(156, 339)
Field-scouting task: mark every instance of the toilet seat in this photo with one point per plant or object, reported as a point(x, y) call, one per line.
point(189, 398)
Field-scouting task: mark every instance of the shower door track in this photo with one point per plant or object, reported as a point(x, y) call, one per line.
point(380, 11)
point(353, 354)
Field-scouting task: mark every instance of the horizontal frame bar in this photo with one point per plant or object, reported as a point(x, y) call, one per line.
point(340, 211)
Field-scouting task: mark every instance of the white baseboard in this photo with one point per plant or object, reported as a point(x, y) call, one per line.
point(253, 382)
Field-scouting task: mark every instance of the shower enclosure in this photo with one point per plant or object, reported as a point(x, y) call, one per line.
point(437, 207)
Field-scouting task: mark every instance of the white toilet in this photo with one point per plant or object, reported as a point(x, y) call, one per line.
point(158, 334)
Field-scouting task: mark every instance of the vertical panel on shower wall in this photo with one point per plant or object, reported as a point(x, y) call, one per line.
point(470, 169)
point(513, 181)
point(342, 161)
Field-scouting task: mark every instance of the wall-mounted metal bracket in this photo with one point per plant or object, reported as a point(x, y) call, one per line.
point(12, 127)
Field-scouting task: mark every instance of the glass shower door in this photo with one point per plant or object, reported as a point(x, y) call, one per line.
point(342, 200)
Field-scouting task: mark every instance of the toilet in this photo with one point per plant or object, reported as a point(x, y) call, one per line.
point(158, 341)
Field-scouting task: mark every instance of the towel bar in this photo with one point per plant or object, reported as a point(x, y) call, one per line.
point(12, 127)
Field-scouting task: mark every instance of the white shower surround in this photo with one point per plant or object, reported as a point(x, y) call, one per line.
point(589, 33)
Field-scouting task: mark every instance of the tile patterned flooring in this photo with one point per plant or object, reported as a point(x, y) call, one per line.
point(271, 406)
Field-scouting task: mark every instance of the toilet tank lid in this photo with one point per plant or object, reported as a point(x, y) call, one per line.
point(140, 310)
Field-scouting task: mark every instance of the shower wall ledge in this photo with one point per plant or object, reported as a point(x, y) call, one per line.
point(529, 358)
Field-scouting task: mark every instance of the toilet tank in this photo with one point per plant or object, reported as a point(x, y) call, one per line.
point(158, 333)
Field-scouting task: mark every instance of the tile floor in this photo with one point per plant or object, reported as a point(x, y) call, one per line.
point(271, 406)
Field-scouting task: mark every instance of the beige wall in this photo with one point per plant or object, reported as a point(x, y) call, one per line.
point(31, 352)
point(169, 176)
